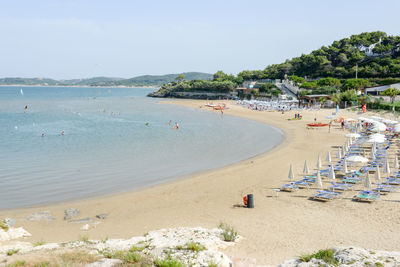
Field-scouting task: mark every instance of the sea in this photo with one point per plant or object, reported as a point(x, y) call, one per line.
point(69, 143)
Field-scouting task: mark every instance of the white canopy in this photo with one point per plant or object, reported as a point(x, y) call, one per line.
point(353, 135)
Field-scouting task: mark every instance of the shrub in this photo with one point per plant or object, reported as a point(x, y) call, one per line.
point(327, 255)
point(168, 263)
point(11, 252)
point(193, 246)
point(229, 233)
point(3, 226)
point(39, 243)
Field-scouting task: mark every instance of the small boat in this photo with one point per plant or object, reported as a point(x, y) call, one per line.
point(317, 124)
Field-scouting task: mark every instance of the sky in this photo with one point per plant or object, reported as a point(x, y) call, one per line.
point(87, 38)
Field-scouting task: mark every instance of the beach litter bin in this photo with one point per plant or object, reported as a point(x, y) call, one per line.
point(250, 201)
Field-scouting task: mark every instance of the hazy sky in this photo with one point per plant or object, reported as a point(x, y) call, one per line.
point(86, 38)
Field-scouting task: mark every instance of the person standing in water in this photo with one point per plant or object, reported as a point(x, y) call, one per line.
point(176, 127)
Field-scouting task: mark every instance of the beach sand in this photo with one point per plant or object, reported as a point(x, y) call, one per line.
point(278, 228)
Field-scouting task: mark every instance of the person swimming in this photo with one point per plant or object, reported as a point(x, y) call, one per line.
point(176, 127)
point(42, 134)
point(147, 124)
point(62, 133)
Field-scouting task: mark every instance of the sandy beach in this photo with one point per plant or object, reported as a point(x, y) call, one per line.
point(277, 228)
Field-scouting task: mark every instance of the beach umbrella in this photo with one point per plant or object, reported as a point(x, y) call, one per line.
point(396, 162)
point(318, 181)
point(291, 175)
point(373, 148)
point(352, 135)
point(377, 174)
point(339, 153)
point(331, 173)
point(357, 159)
point(344, 149)
point(350, 142)
point(328, 157)
point(305, 170)
point(367, 181)
point(345, 166)
point(319, 164)
point(387, 167)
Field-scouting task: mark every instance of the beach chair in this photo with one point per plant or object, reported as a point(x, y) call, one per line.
point(339, 186)
point(324, 197)
point(384, 189)
point(367, 196)
point(351, 180)
point(392, 181)
point(289, 187)
point(303, 184)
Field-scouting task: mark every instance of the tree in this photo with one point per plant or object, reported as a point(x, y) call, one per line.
point(180, 77)
point(296, 79)
point(329, 82)
point(355, 84)
point(336, 98)
point(322, 100)
point(391, 92)
point(309, 85)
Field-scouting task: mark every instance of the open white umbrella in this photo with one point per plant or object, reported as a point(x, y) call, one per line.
point(367, 181)
point(291, 175)
point(377, 174)
point(357, 159)
point(332, 173)
point(318, 181)
point(345, 166)
point(378, 127)
point(328, 157)
point(396, 162)
point(387, 167)
point(352, 135)
point(339, 153)
point(305, 170)
point(319, 164)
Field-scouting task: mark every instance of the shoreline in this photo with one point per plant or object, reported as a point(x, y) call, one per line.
point(278, 228)
point(86, 86)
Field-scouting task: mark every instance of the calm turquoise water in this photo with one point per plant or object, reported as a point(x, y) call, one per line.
point(107, 147)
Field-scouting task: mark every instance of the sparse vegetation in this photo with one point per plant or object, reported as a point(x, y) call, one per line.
point(229, 233)
point(212, 264)
point(39, 243)
point(327, 255)
point(168, 263)
point(193, 246)
point(3, 226)
point(17, 263)
point(11, 252)
point(79, 257)
point(42, 264)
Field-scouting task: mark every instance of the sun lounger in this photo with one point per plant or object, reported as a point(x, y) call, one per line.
point(384, 189)
point(303, 184)
point(367, 196)
point(289, 187)
point(392, 181)
point(339, 187)
point(322, 197)
point(352, 180)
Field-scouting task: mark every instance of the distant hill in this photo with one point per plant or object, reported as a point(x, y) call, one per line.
point(371, 54)
point(145, 80)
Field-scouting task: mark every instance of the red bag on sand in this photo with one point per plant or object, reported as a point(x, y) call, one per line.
point(245, 200)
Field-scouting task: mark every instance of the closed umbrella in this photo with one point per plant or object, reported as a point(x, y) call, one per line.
point(305, 170)
point(339, 153)
point(328, 157)
point(319, 164)
point(396, 162)
point(377, 174)
point(387, 167)
point(345, 166)
point(332, 173)
point(373, 156)
point(291, 175)
point(367, 181)
point(318, 181)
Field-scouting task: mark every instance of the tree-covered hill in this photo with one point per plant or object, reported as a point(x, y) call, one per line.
point(145, 80)
point(375, 54)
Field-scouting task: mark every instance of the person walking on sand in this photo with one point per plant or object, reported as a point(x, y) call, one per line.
point(330, 123)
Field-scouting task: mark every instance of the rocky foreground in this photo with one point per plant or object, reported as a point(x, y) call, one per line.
point(173, 247)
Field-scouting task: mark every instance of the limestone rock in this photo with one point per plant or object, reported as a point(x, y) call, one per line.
point(41, 215)
point(70, 213)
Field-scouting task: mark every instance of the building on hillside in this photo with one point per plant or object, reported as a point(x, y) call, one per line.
point(378, 89)
point(313, 99)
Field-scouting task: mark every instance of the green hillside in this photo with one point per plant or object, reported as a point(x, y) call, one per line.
point(340, 60)
point(145, 80)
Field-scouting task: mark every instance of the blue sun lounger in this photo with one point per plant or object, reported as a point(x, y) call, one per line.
point(289, 187)
point(339, 187)
point(367, 196)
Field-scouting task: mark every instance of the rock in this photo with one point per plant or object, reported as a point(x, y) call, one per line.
point(70, 213)
point(41, 215)
point(13, 233)
point(85, 220)
point(105, 263)
point(10, 222)
point(102, 216)
point(85, 227)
